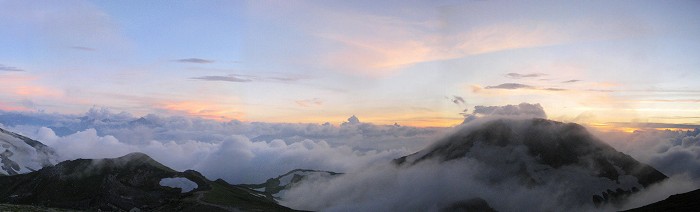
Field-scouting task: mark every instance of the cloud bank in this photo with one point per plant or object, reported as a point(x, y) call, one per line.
point(671, 152)
point(254, 151)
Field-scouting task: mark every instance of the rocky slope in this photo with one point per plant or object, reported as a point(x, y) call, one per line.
point(540, 152)
point(19, 154)
point(122, 184)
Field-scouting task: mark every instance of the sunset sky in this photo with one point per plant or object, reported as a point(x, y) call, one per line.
point(604, 63)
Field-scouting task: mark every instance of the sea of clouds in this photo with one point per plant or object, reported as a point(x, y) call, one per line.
point(238, 152)
point(251, 152)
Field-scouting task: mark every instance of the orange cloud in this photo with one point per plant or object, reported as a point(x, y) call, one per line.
point(396, 44)
point(32, 91)
point(203, 110)
point(309, 102)
point(12, 108)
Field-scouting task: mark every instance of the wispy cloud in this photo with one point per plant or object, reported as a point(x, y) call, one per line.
point(513, 86)
point(553, 89)
point(194, 60)
point(457, 100)
point(519, 76)
point(673, 100)
point(82, 48)
point(35, 90)
point(10, 68)
point(82, 23)
point(654, 125)
point(571, 81)
point(248, 78)
point(509, 86)
point(309, 102)
point(203, 109)
point(229, 78)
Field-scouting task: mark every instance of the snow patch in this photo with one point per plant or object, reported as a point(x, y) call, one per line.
point(179, 182)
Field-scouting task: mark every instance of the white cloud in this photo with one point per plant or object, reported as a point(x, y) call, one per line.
point(671, 152)
point(252, 152)
point(522, 110)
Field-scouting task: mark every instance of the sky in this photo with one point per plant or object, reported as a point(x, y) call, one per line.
point(621, 64)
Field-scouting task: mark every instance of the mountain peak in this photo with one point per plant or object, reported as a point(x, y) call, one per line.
point(536, 150)
point(136, 156)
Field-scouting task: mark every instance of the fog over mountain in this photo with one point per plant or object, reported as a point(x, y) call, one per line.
point(512, 161)
point(515, 158)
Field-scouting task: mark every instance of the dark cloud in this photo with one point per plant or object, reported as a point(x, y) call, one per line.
point(249, 78)
point(282, 79)
point(229, 78)
point(519, 76)
point(571, 81)
point(10, 68)
point(457, 100)
point(510, 86)
point(194, 60)
point(82, 48)
point(513, 86)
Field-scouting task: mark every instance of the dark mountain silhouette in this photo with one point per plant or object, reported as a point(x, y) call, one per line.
point(134, 181)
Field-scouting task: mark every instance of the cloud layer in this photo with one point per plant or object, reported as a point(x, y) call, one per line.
point(254, 151)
